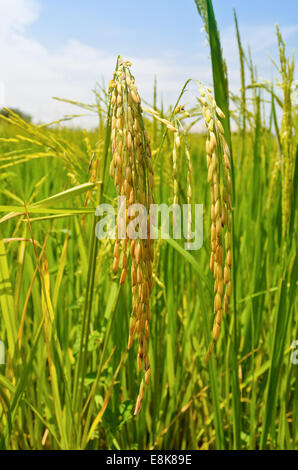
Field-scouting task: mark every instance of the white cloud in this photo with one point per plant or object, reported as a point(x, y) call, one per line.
point(16, 15)
point(33, 74)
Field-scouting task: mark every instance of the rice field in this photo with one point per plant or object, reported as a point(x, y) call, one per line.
point(144, 344)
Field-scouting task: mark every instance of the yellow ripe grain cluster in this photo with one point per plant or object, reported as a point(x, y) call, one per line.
point(219, 178)
point(131, 168)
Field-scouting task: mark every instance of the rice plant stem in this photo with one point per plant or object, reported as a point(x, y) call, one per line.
point(82, 356)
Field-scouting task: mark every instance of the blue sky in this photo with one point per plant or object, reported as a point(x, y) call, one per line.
point(61, 48)
point(140, 27)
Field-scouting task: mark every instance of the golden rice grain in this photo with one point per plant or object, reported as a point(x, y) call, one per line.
point(132, 171)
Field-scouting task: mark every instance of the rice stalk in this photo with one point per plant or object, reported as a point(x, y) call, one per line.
point(219, 178)
point(131, 168)
point(287, 73)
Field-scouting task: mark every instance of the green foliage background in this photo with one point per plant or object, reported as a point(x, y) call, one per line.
point(64, 318)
